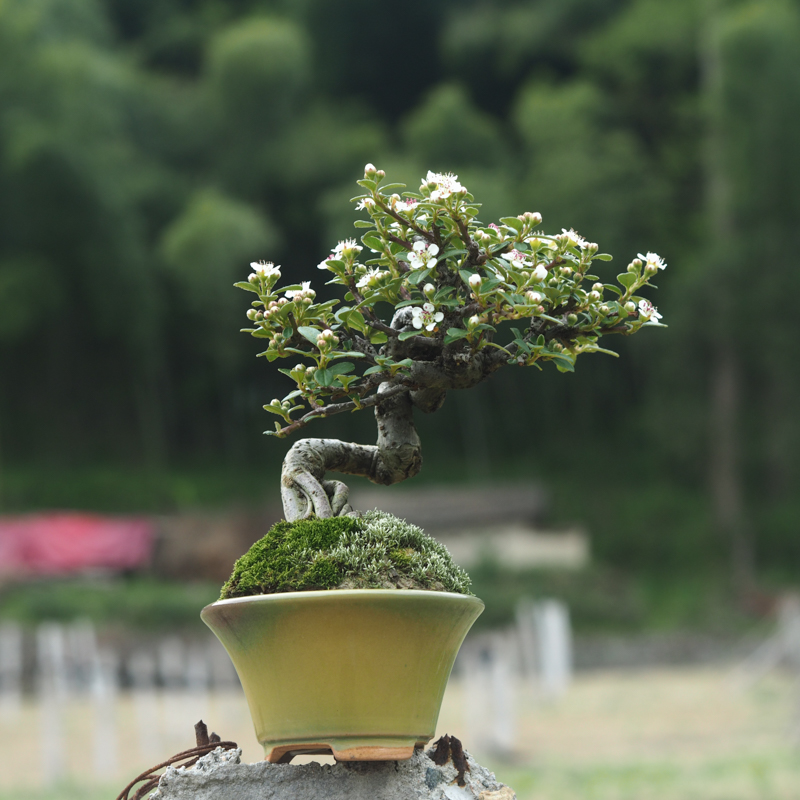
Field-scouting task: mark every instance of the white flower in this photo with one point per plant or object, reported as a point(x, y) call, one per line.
point(266, 269)
point(365, 203)
point(654, 260)
point(516, 259)
point(423, 256)
point(304, 290)
point(648, 311)
point(574, 238)
point(405, 204)
point(540, 273)
point(446, 184)
point(426, 317)
point(371, 278)
point(348, 247)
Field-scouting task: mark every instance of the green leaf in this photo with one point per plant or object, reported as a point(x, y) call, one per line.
point(373, 242)
point(248, 287)
point(373, 370)
point(563, 363)
point(392, 187)
point(512, 222)
point(363, 223)
point(627, 279)
point(309, 333)
point(454, 334)
point(407, 335)
point(324, 377)
point(603, 257)
point(341, 369)
point(418, 276)
point(378, 337)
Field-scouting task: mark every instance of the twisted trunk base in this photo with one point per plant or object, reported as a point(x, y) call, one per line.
point(396, 456)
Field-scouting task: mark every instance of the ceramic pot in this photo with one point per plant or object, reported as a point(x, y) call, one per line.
point(356, 672)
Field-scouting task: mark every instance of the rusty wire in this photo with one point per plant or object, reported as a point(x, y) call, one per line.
point(149, 779)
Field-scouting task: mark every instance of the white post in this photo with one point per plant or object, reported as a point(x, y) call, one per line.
point(503, 694)
point(472, 662)
point(197, 681)
point(172, 670)
point(81, 641)
point(142, 671)
point(10, 671)
point(52, 688)
point(105, 681)
point(525, 619)
point(554, 635)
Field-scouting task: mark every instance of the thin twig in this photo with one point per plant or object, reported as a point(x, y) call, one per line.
point(150, 780)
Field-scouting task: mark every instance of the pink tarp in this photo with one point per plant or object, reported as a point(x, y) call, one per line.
point(66, 542)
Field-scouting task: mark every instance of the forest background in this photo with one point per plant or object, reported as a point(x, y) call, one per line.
point(150, 149)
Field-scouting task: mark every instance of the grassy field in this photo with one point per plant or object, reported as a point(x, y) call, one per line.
point(678, 734)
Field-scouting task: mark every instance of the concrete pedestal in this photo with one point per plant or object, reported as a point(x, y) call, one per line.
point(221, 776)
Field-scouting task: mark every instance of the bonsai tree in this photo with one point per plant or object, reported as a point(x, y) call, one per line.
point(434, 300)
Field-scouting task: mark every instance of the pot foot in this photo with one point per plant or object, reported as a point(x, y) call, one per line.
point(283, 754)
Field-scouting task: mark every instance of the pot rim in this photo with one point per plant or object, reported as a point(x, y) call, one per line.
point(342, 593)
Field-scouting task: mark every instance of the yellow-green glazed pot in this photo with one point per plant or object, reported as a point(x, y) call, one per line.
point(356, 672)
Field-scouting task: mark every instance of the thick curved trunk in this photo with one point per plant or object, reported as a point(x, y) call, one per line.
point(396, 456)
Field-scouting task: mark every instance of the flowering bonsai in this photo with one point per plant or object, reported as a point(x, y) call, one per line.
point(434, 300)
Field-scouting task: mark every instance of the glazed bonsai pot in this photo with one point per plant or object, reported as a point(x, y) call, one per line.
point(357, 672)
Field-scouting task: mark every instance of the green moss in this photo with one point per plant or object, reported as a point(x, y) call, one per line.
point(376, 550)
point(290, 558)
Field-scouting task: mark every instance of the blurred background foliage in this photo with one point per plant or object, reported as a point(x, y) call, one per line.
point(149, 150)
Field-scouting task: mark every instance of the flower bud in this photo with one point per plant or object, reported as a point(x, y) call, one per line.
point(566, 271)
point(603, 310)
point(370, 171)
point(572, 319)
point(534, 297)
point(282, 301)
point(473, 321)
point(380, 174)
point(253, 278)
point(598, 287)
point(632, 267)
point(251, 313)
point(275, 403)
point(475, 282)
point(259, 316)
point(428, 289)
point(630, 306)
point(594, 296)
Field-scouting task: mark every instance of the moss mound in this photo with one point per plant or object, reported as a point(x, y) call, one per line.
point(374, 551)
